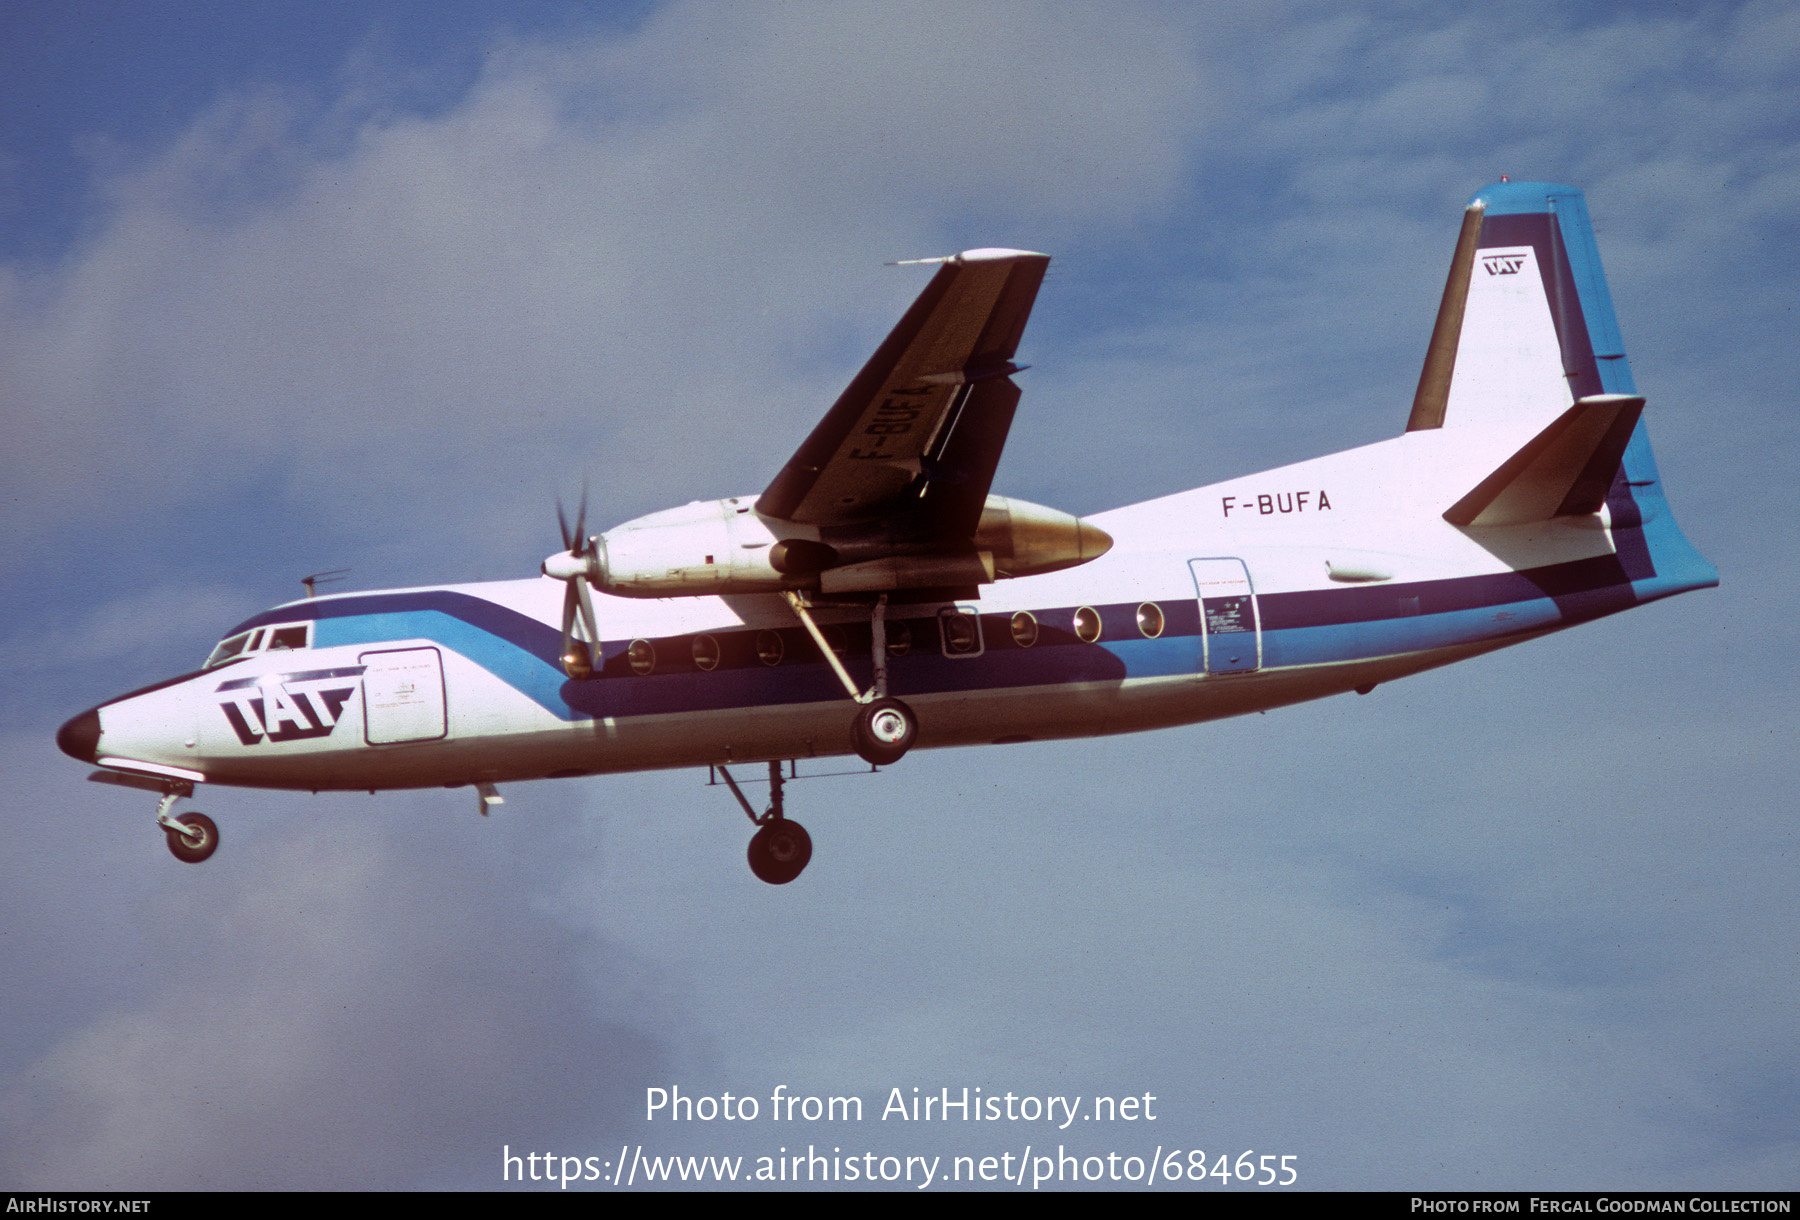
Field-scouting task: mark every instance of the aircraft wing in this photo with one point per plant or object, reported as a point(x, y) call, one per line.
point(918, 433)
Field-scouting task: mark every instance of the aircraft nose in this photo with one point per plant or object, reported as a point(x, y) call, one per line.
point(80, 737)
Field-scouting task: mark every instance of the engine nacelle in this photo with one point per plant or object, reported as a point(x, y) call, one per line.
point(709, 546)
point(1028, 539)
point(726, 546)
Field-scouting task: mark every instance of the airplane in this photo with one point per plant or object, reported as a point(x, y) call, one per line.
point(878, 597)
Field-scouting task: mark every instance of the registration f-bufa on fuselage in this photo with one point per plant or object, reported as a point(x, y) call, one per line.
point(876, 596)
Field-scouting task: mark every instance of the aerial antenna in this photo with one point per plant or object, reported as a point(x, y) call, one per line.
point(323, 578)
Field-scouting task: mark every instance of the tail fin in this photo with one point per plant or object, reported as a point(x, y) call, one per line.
point(1526, 360)
point(1526, 327)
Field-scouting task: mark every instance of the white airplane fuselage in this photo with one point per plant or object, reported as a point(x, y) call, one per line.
point(1522, 498)
point(1330, 577)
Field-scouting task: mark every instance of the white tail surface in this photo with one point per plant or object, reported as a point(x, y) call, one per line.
point(1509, 367)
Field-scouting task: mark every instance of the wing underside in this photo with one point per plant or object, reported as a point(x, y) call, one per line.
point(919, 431)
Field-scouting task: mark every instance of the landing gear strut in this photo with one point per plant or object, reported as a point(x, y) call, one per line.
point(780, 848)
point(192, 836)
point(885, 728)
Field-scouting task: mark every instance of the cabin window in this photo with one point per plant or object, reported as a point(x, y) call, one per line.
point(1150, 620)
point(642, 656)
point(578, 660)
point(706, 652)
point(1087, 624)
point(961, 628)
point(899, 639)
point(1024, 629)
point(769, 648)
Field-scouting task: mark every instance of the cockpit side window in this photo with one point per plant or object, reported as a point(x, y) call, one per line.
point(288, 637)
point(228, 650)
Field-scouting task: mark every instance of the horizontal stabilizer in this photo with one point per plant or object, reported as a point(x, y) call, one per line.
point(1564, 471)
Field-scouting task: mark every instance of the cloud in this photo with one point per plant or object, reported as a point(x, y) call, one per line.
point(1526, 906)
point(158, 624)
point(335, 1009)
point(355, 303)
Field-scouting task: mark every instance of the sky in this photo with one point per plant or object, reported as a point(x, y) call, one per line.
point(368, 286)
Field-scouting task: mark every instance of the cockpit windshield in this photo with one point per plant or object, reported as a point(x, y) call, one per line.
point(228, 649)
point(263, 639)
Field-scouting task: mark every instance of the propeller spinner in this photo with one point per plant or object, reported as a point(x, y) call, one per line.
point(576, 565)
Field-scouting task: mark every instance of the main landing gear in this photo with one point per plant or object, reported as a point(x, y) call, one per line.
point(884, 731)
point(780, 847)
point(193, 836)
point(885, 728)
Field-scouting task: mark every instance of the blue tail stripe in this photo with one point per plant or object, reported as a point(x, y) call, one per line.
point(1583, 254)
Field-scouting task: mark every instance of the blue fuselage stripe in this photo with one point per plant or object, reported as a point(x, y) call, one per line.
point(1310, 627)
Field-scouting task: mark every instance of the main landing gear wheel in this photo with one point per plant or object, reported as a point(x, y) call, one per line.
point(779, 851)
point(885, 731)
point(200, 840)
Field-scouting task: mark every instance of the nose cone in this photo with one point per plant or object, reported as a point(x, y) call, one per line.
point(80, 738)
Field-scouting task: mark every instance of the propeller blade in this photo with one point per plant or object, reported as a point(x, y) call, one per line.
point(577, 658)
point(587, 611)
point(577, 654)
point(571, 537)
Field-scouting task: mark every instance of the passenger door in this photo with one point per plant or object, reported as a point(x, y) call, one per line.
point(1230, 628)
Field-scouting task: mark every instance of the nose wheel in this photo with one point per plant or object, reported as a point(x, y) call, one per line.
point(192, 837)
point(198, 838)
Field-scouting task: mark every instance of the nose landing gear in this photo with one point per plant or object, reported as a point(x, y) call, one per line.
point(193, 837)
point(198, 838)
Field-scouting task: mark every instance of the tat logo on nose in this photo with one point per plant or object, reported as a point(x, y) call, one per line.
point(287, 707)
